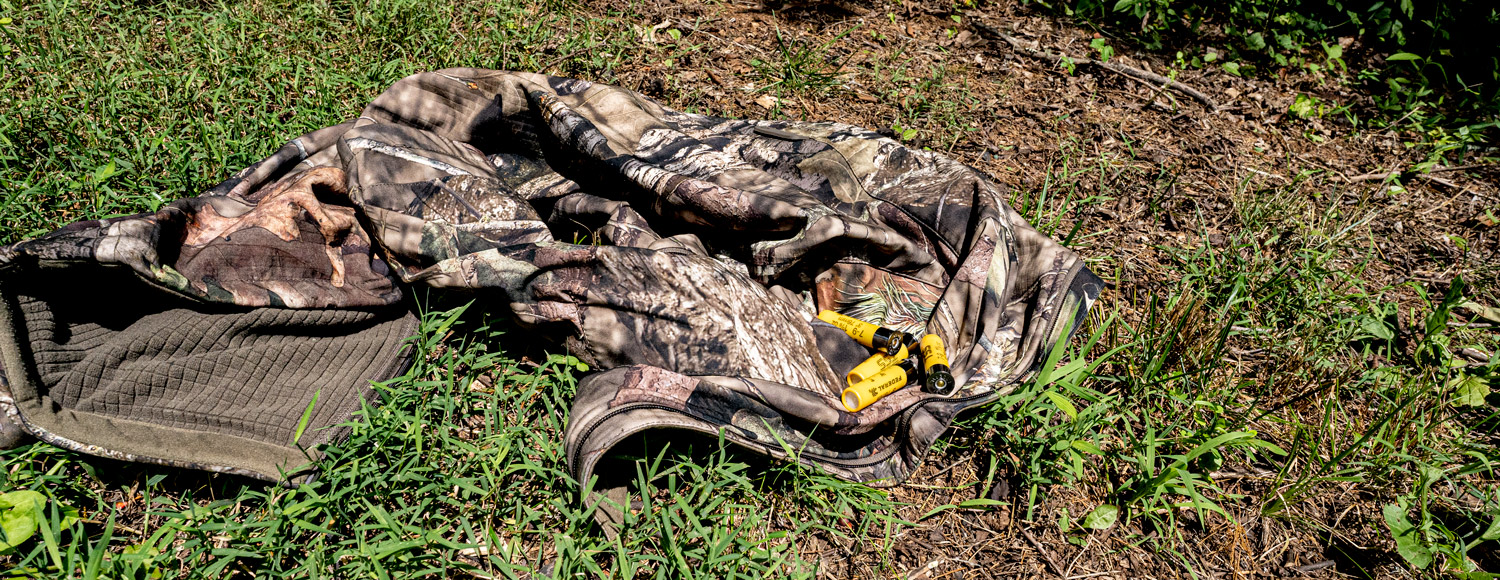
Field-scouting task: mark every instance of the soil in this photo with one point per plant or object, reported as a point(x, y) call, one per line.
point(1175, 174)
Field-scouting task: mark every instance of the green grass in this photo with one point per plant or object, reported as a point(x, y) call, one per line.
point(115, 109)
point(448, 474)
point(1254, 378)
point(1352, 386)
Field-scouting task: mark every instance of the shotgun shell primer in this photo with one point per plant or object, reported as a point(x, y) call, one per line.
point(874, 365)
point(877, 337)
point(885, 382)
point(935, 366)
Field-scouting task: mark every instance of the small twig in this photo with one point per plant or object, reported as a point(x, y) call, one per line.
point(1046, 557)
point(716, 78)
point(693, 28)
point(1438, 206)
point(118, 526)
point(1389, 174)
point(1371, 177)
point(1081, 551)
point(1473, 354)
point(928, 567)
point(1315, 567)
point(557, 61)
point(1277, 548)
point(1256, 474)
point(945, 470)
point(1150, 102)
point(1459, 167)
point(1340, 519)
point(1259, 172)
point(1439, 181)
point(1092, 574)
point(1129, 71)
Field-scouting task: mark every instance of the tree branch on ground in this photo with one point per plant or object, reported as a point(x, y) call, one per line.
point(1382, 176)
point(1035, 51)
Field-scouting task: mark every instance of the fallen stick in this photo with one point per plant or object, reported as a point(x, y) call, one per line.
point(1046, 556)
point(993, 33)
point(1390, 174)
point(557, 61)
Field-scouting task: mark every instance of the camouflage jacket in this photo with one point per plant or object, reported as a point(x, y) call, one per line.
point(710, 243)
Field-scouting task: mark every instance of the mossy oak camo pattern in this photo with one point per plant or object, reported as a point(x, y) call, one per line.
point(683, 255)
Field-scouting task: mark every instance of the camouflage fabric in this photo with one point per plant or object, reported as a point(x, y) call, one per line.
point(683, 255)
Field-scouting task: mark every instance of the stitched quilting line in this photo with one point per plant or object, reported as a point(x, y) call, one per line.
point(215, 419)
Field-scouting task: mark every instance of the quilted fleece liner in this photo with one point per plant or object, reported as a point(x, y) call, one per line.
point(144, 375)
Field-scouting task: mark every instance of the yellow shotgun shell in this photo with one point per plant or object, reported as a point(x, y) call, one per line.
point(876, 337)
point(883, 383)
point(935, 366)
point(874, 365)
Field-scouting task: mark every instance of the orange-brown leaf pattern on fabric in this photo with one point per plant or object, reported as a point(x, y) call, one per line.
point(280, 213)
